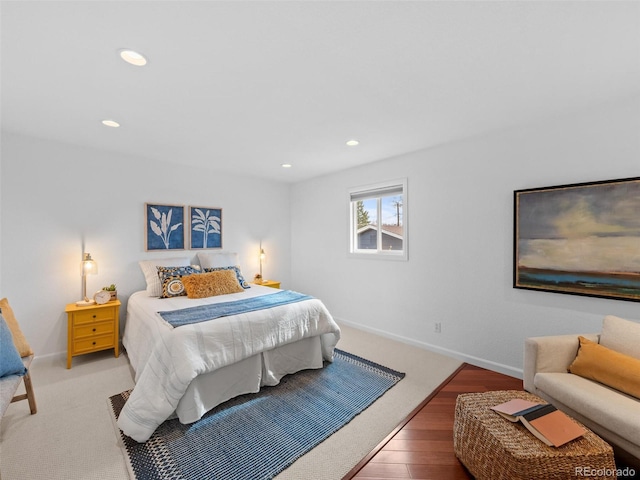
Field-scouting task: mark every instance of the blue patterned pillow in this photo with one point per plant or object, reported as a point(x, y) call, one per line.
point(243, 283)
point(10, 361)
point(171, 280)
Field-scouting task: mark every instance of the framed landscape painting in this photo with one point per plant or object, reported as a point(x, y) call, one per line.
point(581, 239)
point(164, 227)
point(206, 227)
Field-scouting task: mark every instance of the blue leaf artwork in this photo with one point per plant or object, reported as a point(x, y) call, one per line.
point(164, 227)
point(206, 227)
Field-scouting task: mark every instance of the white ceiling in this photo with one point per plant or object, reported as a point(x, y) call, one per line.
point(246, 86)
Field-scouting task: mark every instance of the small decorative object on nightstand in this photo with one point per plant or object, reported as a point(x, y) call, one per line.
point(113, 291)
point(101, 297)
point(92, 328)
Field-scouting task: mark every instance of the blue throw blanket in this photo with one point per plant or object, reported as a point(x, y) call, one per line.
point(203, 313)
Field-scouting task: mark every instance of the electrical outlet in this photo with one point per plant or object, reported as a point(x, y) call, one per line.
point(438, 327)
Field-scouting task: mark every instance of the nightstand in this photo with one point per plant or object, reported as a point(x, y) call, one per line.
point(93, 328)
point(269, 283)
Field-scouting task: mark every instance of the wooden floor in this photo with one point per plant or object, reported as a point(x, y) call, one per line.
point(422, 447)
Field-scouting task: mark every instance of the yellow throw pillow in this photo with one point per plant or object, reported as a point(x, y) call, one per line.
point(611, 368)
point(19, 340)
point(220, 282)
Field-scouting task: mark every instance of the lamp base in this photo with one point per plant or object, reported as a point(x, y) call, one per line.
point(85, 303)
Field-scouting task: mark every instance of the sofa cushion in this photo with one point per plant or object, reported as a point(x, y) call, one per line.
point(614, 410)
point(608, 367)
point(621, 335)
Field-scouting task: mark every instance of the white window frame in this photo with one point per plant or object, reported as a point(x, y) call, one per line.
point(378, 191)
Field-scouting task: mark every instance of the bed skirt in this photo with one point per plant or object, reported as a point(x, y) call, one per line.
point(209, 390)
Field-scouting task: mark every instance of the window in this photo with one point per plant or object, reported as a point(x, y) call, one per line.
point(379, 220)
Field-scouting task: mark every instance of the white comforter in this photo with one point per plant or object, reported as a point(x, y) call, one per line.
point(179, 355)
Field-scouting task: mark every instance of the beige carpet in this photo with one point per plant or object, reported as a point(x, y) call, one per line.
point(72, 436)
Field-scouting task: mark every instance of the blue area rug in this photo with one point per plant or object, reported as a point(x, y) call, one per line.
point(256, 436)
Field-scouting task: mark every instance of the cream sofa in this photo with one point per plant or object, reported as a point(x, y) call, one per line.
point(613, 415)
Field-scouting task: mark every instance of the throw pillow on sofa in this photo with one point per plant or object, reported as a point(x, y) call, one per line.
point(606, 366)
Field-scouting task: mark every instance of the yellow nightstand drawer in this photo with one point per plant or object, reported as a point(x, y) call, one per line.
point(93, 315)
point(91, 330)
point(93, 344)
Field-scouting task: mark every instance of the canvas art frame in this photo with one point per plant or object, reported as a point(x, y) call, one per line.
point(579, 239)
point(205, 231)
point(164, 227)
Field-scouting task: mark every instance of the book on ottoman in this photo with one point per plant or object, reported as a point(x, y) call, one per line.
point(545, 421)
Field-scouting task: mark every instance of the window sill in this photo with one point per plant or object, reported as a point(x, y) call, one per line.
point(374, 255)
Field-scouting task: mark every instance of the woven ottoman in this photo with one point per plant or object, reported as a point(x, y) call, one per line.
point(493, 448)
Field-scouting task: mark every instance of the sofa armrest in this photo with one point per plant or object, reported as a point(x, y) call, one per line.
point(550, 354)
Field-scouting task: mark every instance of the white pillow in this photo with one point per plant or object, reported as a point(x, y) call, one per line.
point(621, 335)
point(154, 287)
point(218, 259)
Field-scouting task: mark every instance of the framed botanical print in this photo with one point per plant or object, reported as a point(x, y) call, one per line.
point(206, 227)
point(581, 239)
point(164, 227)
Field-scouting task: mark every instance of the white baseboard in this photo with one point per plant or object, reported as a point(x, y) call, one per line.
point(61, 357)
point(463, 357)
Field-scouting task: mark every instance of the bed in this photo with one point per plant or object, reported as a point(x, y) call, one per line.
point(187, 370)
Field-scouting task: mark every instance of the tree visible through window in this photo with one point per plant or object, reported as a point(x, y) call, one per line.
point(363, 215)
point(378, 220)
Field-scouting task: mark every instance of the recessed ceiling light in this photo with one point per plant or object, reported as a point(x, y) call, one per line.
point(353, 143)
point(110, 123)
point(286, 165)
point(133, 57)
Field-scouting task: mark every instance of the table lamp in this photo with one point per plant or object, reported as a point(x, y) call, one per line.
point(258, 277)
point(88, 266)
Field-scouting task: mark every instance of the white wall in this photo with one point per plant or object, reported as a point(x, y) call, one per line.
point(58, 198)
point(1, 201)
point(460, 227)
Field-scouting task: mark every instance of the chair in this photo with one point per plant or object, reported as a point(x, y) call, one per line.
point(9, 384)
